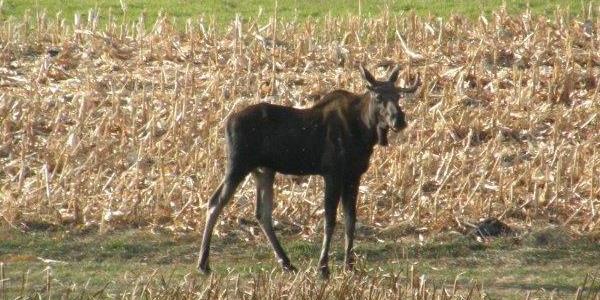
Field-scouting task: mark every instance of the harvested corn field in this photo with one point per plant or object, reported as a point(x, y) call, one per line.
point(120, 125)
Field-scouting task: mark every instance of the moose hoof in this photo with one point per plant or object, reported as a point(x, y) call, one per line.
point(289, 268)
point(204, 269)
point(349, 267)
point(325, 273)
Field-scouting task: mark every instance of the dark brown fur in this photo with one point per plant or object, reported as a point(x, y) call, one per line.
point(334, 139)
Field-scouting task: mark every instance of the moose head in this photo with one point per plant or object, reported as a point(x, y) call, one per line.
point(384, 111)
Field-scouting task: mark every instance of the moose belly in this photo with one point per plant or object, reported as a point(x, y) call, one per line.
point(292, 161)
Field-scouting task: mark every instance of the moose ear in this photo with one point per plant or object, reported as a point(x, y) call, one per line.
point(394, 74)
point(367, 75)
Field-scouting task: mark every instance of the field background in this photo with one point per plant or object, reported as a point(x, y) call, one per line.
point(223, 12)
point(112, 141)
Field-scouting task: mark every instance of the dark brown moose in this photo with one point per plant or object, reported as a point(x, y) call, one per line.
point(334, 139)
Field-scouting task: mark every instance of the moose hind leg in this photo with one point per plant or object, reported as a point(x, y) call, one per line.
point(264, 211)
point(215, 205)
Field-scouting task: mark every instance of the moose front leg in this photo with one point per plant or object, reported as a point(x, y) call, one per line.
point(349, 195)
point(332, 198)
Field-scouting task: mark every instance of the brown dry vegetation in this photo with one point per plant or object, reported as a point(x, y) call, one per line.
point(120, 125)
point(269, 285)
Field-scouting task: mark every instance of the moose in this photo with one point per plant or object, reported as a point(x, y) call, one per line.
point(334, 139)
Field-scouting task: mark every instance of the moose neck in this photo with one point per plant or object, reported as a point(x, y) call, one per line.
point(369, 120)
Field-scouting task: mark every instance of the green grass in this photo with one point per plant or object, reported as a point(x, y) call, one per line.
point(506, 268)
point(224, 11)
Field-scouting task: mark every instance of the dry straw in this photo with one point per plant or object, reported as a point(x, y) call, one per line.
point(272, 284)
point(116, 125)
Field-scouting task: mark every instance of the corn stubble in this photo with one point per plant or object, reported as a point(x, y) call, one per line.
point(124, 123)
point(121, 124)
point(265, 285)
